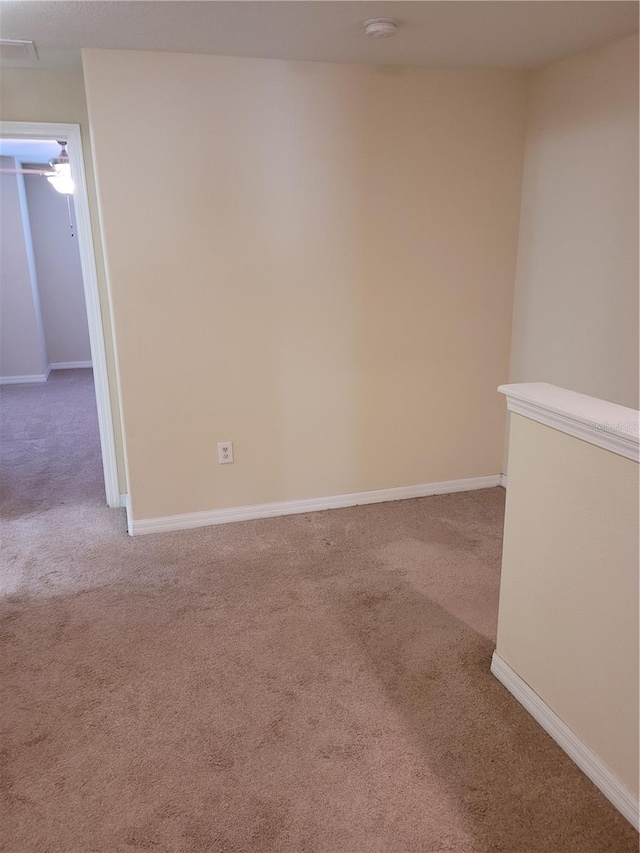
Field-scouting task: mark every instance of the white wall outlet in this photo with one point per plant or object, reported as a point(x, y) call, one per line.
point(225, 452)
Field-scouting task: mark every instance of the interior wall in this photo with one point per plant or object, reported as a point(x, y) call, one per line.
point(22, 352)
point(28, 94)
point(568, 620)
point(575, 319)
point(55, 248)
point(315, 261)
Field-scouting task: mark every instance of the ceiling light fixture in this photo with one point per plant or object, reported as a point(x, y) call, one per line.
point(380, 28)
point(62, 180)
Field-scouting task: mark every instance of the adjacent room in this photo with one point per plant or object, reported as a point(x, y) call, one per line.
point(319, 429)
point(47, 399)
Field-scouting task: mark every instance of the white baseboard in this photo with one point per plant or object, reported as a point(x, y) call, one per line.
point(503, 481)
point(582, 755)
point(22, 380)
point(42, 377)
point(69, 365)
point(269, 510)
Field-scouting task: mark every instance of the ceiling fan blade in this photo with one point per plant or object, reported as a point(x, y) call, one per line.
point(45, 172)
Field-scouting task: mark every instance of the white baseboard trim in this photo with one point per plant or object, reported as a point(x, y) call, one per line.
point(42, 377)
point(122, 501)
point(582, 755)
point(24, 380)
point(69, 365)
point(503, 481)
point(269, 510)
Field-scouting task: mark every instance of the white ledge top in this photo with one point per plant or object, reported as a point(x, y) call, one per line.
point(607, 425)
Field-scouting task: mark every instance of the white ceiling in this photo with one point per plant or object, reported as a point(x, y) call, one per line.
point(29, 150)
point(455, 33)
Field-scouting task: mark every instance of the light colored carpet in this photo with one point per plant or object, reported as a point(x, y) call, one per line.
point(311, 684)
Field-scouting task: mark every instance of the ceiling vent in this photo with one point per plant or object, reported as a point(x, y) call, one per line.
point(17, 52)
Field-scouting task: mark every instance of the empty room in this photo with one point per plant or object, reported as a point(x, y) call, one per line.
point(323, 535)
point(47, 398)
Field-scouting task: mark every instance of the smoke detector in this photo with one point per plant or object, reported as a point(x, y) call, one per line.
point(380, 28)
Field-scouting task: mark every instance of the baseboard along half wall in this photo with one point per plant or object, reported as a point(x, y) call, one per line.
point(270, 510)
point(583, 756)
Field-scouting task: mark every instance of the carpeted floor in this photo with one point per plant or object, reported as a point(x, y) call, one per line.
point(311, 684)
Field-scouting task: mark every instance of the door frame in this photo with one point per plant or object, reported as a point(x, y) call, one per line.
point(71, 133)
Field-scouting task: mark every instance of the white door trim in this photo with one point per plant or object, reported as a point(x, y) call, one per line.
point(71, 133)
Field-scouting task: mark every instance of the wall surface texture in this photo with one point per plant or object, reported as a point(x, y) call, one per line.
point(27, 94)
point(64, 314)
point(22, 350)
point(315, 261)
point(575, 319)
point(568, 621)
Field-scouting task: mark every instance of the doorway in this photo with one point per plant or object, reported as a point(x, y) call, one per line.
point(74, 377)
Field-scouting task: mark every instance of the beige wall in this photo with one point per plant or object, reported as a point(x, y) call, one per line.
point(315, 261)
point(575, 319)
point(58, 96)
point(568, 621)
point(57, 259)
point(22, 351)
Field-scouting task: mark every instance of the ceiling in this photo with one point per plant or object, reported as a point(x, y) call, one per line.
point(29, 150)
point(455, 33)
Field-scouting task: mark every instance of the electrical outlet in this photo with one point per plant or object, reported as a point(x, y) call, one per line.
point(225, 452)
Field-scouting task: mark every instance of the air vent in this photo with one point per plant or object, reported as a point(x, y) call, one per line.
point(17, 52)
